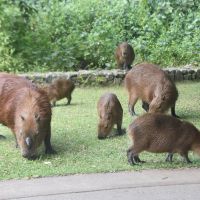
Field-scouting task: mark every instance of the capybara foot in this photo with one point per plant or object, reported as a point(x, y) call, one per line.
point(132, 160)
point(121, 131)
point(169, 157)
point(137, 159)
point(2, 137)
point(131, 111)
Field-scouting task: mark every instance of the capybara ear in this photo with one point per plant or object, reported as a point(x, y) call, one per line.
point(22, 118)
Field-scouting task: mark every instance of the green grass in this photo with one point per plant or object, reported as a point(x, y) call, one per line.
point(74, 137)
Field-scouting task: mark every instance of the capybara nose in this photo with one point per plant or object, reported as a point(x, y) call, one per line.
point(29, 156)
point(100, 137)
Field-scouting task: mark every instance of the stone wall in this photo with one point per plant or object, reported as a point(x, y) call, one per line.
point(108, 77)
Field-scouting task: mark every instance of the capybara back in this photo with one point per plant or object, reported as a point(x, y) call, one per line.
point(26, 110)
point(124, 55)
point(159, 133)
point(153, 86)
point(110, 112)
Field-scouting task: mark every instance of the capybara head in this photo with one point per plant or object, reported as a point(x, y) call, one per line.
point(105, 125)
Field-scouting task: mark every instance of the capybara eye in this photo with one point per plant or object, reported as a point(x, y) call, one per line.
point(22, 118)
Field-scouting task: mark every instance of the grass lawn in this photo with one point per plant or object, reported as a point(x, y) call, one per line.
point(74, 137)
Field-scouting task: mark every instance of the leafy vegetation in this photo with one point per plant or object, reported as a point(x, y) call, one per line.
point(74, 137)
point(43, 35)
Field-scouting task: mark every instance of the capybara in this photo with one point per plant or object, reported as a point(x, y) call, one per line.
point(153, 86)
point(124, 55)
point(59, 89)
point(159, 133)
point(26, 110)
point(110, 112)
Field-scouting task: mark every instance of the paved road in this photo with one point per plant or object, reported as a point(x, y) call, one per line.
point(147, 184)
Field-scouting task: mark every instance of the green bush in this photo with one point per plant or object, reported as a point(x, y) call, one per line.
point(44, 35)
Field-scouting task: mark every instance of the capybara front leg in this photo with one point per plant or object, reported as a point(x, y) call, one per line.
point(47, 143)
point(69, 100)
point(145, 106)
point(131, 104)
point(173, 113)
point(132, 156)
point(185, 157)
point(169, 157)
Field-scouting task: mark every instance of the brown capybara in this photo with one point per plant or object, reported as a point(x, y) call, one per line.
point(153, 86)
point(110, 112)
point(159, 133)
point(124, 55)
point(26, 110)
point(59, 89)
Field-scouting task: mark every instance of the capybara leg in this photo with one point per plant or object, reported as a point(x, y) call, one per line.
point(69, 100)
point(145, 106)
point(169, 157)
point(185, 157)
point(53, 102)
point(132, 102)
point(138, 159)
point(173, 112)
point(47, 143)
point(132, 156)
point(119, 128)
point(2, 137)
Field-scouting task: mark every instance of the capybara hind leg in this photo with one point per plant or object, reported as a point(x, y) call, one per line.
point(185, 157)
point(145, 106)
point(173, 112)
point(47, 143)
point(131, 104)
point(169, 157)
point(69, 100)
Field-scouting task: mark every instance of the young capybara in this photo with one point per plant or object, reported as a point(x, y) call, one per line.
point(153, 86)
point(124, 55)
point(59, 89)
point(159, 133)
point(26, 110)
point(110, 112)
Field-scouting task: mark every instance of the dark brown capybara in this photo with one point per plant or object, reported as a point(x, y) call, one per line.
point(59, 89)
point(124, 55)
point(153, 86)
point(159, 133)
point(26, 110)
point(110, 112)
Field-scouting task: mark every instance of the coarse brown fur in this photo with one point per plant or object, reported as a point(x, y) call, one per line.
point(153, 86)
point(59, 89)
point(26, 110)
point(110, 112)
point(124, 55)
point(159, 133)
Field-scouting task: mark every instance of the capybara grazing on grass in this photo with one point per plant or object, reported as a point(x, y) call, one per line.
point(110, 112)
point(59, 89)
point(26, 110)
point(153, 86)
point(159, 133)
point(124, 56)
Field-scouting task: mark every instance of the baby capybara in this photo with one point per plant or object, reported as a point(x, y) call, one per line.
point(124, 55)
point(59, 89)
point(26, 110)
point(110, 112)
point(159, 133)
point(153, 86)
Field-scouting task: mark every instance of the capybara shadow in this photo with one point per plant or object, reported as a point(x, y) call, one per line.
point(153, 86)
point(110, 112)
point(59, 89)
point(160, 133)
point(26, 110)
point(124, 55)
